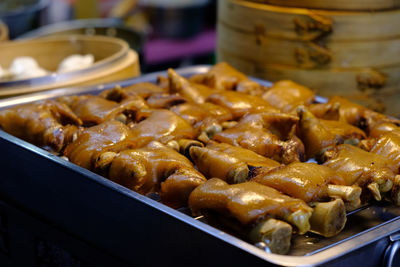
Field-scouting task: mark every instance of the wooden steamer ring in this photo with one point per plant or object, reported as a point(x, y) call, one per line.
point(366, 5)
point(354, 54)
point(307, 24)
point(309, 54)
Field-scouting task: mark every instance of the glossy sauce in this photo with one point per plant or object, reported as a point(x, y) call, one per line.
point(287, 96)
point(247, 202)
point(306, 181)
point(95, 139)
point(163, 126)
point(360, 167)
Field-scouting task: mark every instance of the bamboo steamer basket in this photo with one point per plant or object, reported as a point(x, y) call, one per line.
point(306, 54)
point(336, 4)
point(308, 24)
point(350, 53)
point(113, 61)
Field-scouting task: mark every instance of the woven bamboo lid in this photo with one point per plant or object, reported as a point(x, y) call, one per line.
point(366, 5)
point(308, 24)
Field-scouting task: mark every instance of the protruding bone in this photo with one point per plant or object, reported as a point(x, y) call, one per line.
point(374, 188)
point(213, 129)
point(300, 219)
point(352, 205)
point(367, 144)
point(179, 84)
point(186, 144)
point(203, 137)
point(328, 218)
point(104, 160)
point(386, 186)
point(347, 193)
point(352, 141)
point(74, 136)
point(274, 234)
point(240, 174)
point(122, 118)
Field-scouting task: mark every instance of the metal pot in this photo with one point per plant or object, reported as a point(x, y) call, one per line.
point(176, 19)
point(22, 15)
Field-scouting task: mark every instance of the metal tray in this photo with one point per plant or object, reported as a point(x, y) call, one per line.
point(140, 231)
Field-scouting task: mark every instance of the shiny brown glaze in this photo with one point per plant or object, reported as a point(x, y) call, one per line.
point(351, 113)
point(203, 117)
point(384, 128)
point(160, 101)
point(388, 146)
point(306, 181)
point(240, 104)
point(94, 140)
point(287, 96)
point(319, 134)
point(344, 130)
point(359, 167)
point(193, 92)
point(163, 126)
point(223, 77)
point(144, 89)
point(247, 202)
point(156, 168)
point(47, 124)
point(218, 164)
point(94, 110)
point(196, 113)
point(261, 133)
point(251, 158)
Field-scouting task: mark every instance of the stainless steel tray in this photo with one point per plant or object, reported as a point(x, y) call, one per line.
point(141, 231)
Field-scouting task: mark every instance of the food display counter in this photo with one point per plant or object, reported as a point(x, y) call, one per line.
point(54, 210)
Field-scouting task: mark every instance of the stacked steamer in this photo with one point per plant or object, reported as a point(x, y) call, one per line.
point(336, 47)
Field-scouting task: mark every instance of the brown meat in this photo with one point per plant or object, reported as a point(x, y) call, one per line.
point(268, 134)
point(240, 104)
point(222, 77)
point(94, 110)
point(94, 140)
point(47, 124)
point(156, 168)
point(350, 113)
point(249, 202)
point(318, 134)
point(195, 93)
point(372, 172)
point(249, 157)
point(163, 126)
point(287, 96)
point(306, 181)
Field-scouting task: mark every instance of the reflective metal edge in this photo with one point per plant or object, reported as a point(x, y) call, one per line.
point(333, 252)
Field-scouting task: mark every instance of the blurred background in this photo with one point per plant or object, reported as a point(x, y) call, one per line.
point(173, 33)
